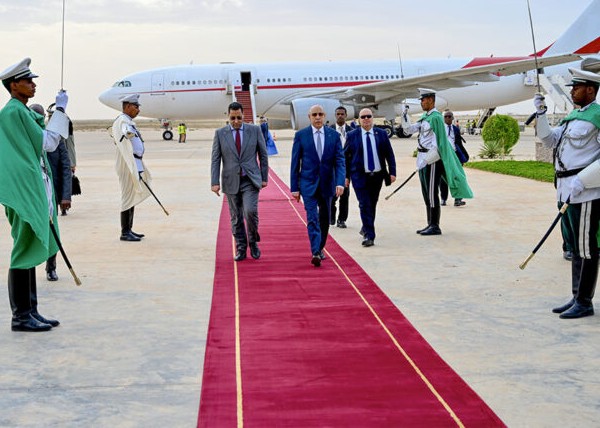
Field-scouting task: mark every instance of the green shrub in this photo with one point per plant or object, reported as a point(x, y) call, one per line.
point(499, 132)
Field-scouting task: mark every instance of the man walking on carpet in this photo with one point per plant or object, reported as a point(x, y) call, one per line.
point(240, 147)
point(317, 173)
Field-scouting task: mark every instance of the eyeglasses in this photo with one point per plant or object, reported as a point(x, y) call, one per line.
point(366, 116)
point(235, 117)
point(448, 117)
point(317, 114)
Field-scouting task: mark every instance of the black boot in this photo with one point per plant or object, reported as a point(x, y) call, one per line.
point(434, 227)
point(428, 209)
point(585, 293)
point(20, 302)
point(33, 293)
point(51, 269)
point(139, 235)
point(126, 234)
point(576, 264)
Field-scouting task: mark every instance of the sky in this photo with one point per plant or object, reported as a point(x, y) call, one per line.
point(105, 40)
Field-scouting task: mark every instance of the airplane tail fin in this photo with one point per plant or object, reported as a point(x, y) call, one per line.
point(582, 37)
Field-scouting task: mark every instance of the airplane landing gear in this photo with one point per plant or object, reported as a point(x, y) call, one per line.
point(166, 125)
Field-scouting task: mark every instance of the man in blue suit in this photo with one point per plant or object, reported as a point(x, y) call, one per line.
point(369, 154)
point(317, 174)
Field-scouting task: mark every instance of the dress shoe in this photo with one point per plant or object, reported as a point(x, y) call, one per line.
point(130, 237)
point(341, 224)
point(422, 230)
point(37, 316)
point(561, 309)
point(331, 222)
point(240, 255)
point(443, 203)
point(431, 230)
point(316, 260)
point(361, 232)
point(63, 212)
point(322, 255)
point(578, 311)
point(51, 275)
point(459, 203)
point(28, 323)
point(568, 255)
point(139, 235)
point(368, 243)
point(254, 251)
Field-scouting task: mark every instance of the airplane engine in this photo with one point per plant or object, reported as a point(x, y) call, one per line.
point(299, 110)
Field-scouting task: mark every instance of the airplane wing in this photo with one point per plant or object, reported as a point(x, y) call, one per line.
point(373, 93)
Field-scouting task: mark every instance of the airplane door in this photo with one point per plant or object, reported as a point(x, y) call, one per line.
point(158, 84)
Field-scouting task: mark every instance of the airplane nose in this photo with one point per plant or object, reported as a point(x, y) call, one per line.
point(104, 97)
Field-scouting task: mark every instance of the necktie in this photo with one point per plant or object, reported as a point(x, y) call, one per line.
point(319, 145)
point(449, 129)
point(238, 141)
point(343, 131)
point(370, 158)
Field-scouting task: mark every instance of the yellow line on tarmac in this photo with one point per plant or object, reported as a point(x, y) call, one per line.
point(238, 351)
point(385, 328)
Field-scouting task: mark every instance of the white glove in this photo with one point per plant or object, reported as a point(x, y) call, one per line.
point(576, 186)
point(538, 102)
point(432, 156)
point(62, 99)
point(405, 112)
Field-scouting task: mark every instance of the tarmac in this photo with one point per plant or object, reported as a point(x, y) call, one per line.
point(129, 351)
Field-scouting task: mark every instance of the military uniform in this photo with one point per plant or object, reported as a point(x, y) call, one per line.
point(26, 192)
point(576, 143)
point(130, 168)
point(435, 157)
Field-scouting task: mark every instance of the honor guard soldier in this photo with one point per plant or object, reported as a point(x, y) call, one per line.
point(134, 176)
point(435, 158)
point(576, 144)
point(26, 190)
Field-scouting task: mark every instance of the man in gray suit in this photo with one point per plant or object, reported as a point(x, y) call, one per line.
point(240, 146)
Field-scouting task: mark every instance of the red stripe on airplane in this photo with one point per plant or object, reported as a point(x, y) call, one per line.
point(489, 60)
point(591, 48)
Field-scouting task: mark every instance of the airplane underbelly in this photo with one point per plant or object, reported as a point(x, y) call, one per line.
point(508, 90)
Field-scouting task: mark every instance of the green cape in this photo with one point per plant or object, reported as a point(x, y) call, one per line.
point(590, 114)
point(22, 192)
point(454, 172)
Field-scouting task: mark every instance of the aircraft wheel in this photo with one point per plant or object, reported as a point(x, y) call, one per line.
point(388, 130)
point(167, 135)
point(401, 134)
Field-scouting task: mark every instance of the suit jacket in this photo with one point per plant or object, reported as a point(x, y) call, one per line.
point(461, 152)
point(309, 174)
point(254, 150)
point(355, 158)
point(60, 164)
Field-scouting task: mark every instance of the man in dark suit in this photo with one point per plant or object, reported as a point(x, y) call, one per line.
point(456, 141)
point(343, 129)
point(369, 154)
point(317, 174)
point(240, 146)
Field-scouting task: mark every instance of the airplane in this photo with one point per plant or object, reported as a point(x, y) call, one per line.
point(286, 91)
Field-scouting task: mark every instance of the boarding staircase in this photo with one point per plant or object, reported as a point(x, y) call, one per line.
point(246, 99)
point(483, 116)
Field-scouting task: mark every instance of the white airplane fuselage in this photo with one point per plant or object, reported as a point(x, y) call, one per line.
point(205, 91)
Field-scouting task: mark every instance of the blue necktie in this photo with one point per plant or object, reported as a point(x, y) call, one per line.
point(370, 158)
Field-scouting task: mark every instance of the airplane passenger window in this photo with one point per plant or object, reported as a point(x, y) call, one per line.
point(204, 82)
point(320, 79)
point(221, 80)
point(172, 83)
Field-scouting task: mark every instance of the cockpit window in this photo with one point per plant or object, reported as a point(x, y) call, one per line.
point(122, 84)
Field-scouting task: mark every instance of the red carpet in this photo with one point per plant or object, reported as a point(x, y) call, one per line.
point(290, 345)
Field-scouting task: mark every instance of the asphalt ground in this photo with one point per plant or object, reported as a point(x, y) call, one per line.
point(129, 351)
